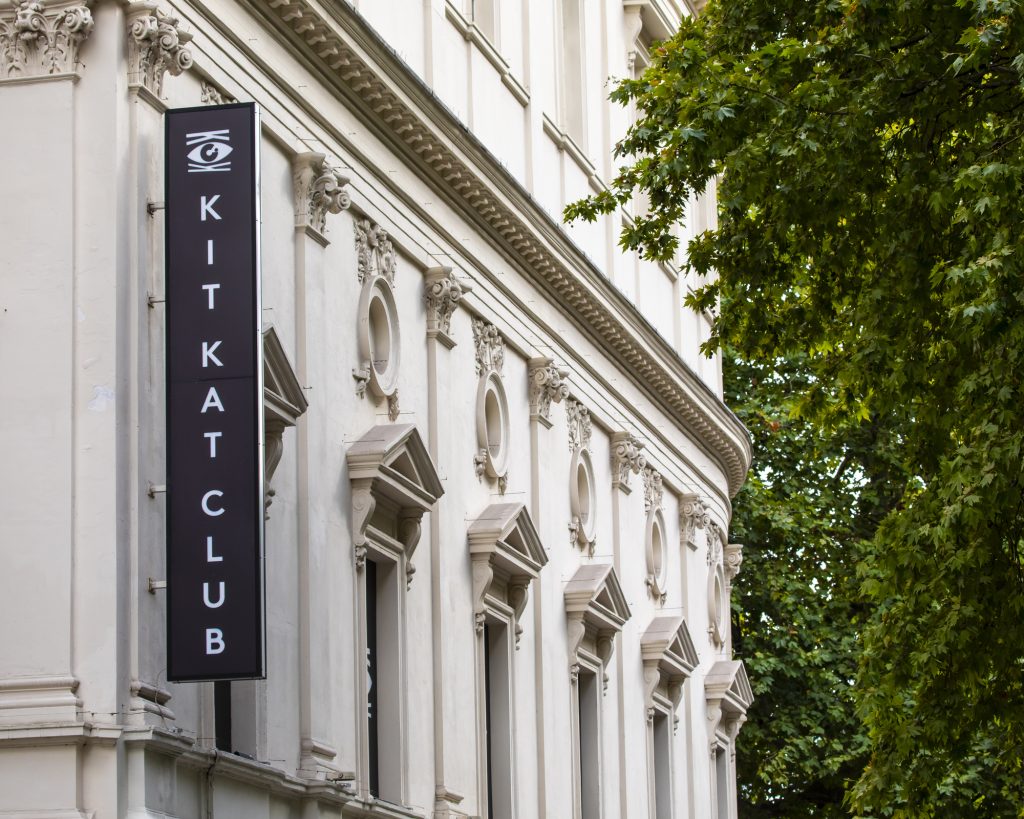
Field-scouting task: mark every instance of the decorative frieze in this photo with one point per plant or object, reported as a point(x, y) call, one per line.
point(693, 515)
point(375, 254)
point(319, 190)
point(489, 346)
point(547, 384)
point(442, 294)
point(627, 459)
point(40, 39)
point(156, 46)
point(578, 418)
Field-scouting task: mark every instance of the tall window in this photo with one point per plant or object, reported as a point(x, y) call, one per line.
point(498, 720)
point(572, 87)
point(662, 766)
point(384, 753)
point(485, 17)
point(590, 745)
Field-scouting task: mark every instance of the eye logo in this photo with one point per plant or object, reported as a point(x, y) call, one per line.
point(210, 151)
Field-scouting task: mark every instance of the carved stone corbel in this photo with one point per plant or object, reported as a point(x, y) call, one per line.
point(273, 449)
point(605, 645)
point(693, 515)
point(442, 294)
point(627, 459)
point(518, 594)
point(319, 190)
point(652, 676)
point(733, 562)
point(576, 629)
point(547, 385)
point(363, 504)
point(410, 528)
point(483, 576)
point(40, 39)
point(156, 46)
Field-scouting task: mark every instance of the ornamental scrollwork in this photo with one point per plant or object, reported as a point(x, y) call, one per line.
point(319, 190)
point(627, 459)
point(442, 294)
point(489, 346)
point(156, 46)
point(375, 255)
point(40, 39)
point(547, 384)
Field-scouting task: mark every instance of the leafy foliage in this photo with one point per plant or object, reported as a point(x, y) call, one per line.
point(871, 157)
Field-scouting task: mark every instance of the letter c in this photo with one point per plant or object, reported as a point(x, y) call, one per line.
point(213, 493)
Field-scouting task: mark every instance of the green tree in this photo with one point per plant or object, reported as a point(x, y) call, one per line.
point(871, 161)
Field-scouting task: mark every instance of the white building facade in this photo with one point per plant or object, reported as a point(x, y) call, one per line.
point(498, 469)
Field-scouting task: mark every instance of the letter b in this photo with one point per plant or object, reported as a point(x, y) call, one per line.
point(215, 641)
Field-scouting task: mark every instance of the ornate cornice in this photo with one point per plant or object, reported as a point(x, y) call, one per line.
point(319, 190)
point(627, 459)
point(442, 294)
point(41, 39)
point(156, 46)
point(547, 384)
point(386, 92)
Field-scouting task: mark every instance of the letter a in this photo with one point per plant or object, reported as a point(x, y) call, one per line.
point(212, 401)
point(215, 641)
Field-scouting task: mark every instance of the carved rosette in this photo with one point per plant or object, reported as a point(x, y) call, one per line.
point(319, 190)
point(156, 46)
point(547, 384)
point(627, 459)
point(375, 255)
point(442, 294)
point(693, 515)
point(40, 39)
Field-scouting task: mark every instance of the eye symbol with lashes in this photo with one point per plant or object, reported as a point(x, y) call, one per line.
point(209, 154)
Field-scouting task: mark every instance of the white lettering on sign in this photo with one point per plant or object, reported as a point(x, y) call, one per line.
point(212, 401)
point(215, 641)
point(212, 437)
point(210, 556)
point(209, 288)
point(213, 493)
point(209, 251)
point(208, 354)
point(206, 207)
point(220, 596)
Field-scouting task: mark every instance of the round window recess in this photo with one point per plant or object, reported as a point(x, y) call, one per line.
point(379, 336)
point(657, 562)
point(492, 424)
point(581, 500)
point(716, 605)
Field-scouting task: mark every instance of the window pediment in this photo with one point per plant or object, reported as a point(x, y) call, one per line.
point(669, 658)
point(728, 694)
point(596, 609)
point(283, 398)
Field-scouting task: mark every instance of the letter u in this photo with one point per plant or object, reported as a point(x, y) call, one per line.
point(206, 596)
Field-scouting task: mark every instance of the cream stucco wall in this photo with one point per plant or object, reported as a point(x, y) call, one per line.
point(455, 146)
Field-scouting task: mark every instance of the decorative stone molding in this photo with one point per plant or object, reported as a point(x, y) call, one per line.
point(378, 328)
point(506, 554)
point(389, 466)
point(319, 190)
point(547, 384)
point(44, 699)
point(596, 610)
point(284, 402)
point(716, 542)
point(578, 418)
point(627, 459)
point(156, 46)
point(493, 428)
point(42, 39)
point(489, 346)
point(147, 698)
point(210, 94)
point(719, 585)
point(733, 561)
point(375, 255)
point(583, 502)
point(653, 493)
point(419, 128)
point(442, 294)
point(669, 658)
point(728, 696)
point(693, 515)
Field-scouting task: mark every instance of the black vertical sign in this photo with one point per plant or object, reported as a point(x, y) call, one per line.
point(214, 371)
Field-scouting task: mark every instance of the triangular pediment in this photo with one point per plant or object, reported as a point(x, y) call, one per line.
point(283, 397)
point(595, 591)
point(668, 643)
point(395, 458)
point(506, 532)
point(727, 683)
